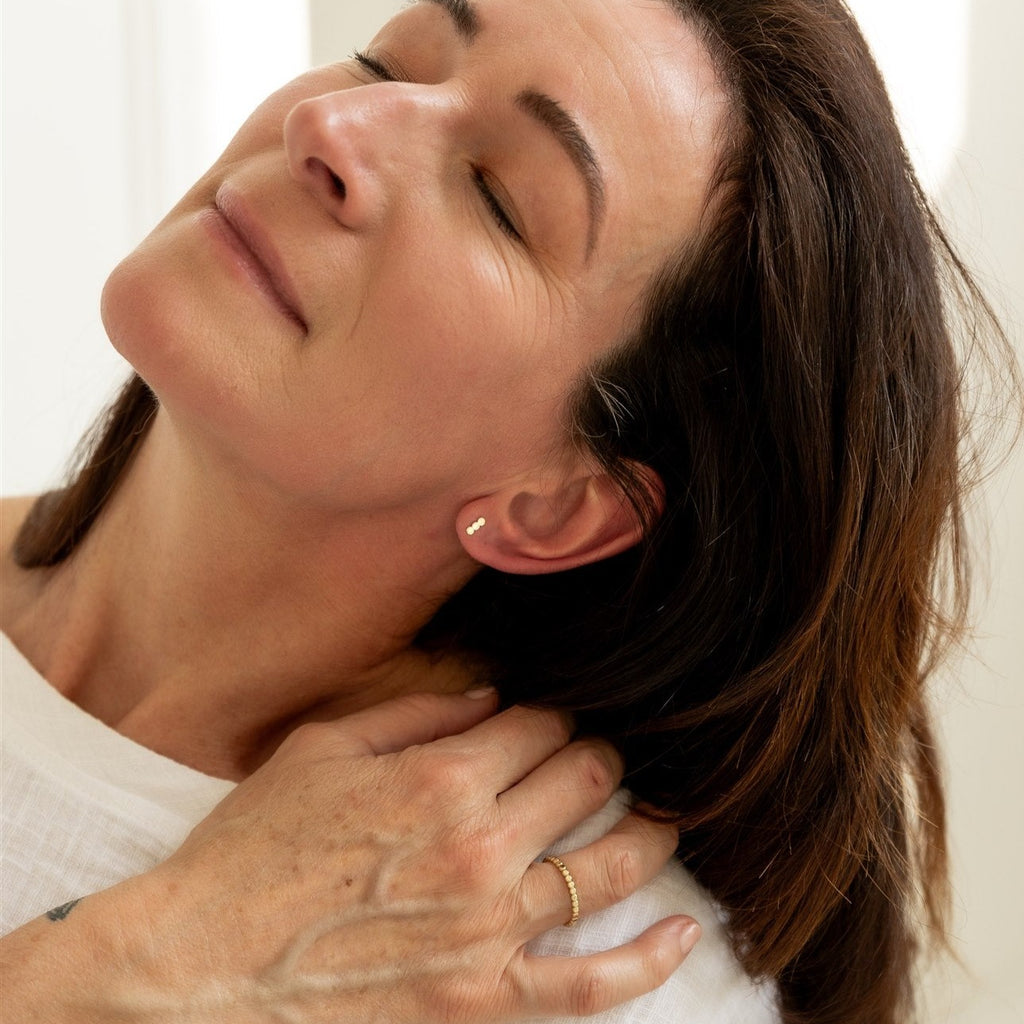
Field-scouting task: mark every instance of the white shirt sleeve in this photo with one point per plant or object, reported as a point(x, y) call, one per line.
point(84, 807)
point(710, 987)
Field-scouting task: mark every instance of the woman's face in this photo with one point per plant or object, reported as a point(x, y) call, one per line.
point(384, 290)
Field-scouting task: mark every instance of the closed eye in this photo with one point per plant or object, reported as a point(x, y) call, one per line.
point(386, 73)
point(378, 68)
point(493, 204)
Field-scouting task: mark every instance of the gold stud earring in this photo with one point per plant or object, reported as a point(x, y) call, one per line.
point(474, 526)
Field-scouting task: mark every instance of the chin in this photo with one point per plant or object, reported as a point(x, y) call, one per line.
point(157, 317)
point(137, 316)
point(149, 313)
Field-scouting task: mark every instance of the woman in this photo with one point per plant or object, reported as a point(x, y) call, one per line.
point(462, 355)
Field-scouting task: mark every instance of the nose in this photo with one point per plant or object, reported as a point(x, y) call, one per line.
point(353, 149)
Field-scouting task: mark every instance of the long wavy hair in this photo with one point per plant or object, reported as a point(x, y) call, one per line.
point(796, 380)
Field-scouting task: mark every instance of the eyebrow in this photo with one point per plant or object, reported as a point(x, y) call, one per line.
point(570, 137)
point(552, 115)
point(464, 14)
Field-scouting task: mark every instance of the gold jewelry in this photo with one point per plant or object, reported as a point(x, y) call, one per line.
point(574, 898)
point(474, 526)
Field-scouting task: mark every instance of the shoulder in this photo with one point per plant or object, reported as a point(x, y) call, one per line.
point(12, 515)
point(711, 987)
point(14, 579)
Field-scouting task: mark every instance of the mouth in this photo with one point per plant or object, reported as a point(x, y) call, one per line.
point(253, 254)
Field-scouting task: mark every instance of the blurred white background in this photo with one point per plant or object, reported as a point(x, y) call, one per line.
point(111, 108)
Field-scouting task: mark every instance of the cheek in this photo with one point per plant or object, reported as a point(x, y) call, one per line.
point(448, 384)
point(471, 332)
point(179, 331)
point(168, 310)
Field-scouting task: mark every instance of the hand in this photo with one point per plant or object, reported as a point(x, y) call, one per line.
point(382, 868)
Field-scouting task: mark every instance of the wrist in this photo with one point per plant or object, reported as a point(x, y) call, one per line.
point(60, 967)
point(115, 957)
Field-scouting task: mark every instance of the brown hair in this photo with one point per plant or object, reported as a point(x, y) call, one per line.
point(762, 657)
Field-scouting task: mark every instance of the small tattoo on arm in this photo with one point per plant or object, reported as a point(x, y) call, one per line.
point(59, 913)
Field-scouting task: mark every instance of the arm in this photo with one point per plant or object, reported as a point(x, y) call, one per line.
point(380, 868)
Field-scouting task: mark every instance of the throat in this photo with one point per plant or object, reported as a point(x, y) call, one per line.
point(205, 624)
point(231, 731)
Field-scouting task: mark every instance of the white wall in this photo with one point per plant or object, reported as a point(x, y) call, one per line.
point(111, 109)
point(336, 29)
point(983, 721)
point(95, 147)
point(65, 169)
point(955, 71)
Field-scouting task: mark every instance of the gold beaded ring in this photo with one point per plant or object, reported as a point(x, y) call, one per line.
point(574, 898)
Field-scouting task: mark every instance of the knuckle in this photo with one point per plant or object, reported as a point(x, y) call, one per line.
point(623, 873)
point(589, 992)
point(554, 725)
point(448, 775)
point(596, 770)
point(559, 723)
point(538, 717)
point(309, 739)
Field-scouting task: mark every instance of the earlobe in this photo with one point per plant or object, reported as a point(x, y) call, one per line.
point(478, 524)
point(543, 528)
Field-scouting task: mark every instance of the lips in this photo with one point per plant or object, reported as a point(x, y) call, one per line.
point(255, 253)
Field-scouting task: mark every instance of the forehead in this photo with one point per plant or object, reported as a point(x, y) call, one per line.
point(640, 84)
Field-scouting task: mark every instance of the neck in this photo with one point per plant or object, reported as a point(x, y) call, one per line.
point(205, 619)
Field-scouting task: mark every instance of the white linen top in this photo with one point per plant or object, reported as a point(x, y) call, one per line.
point(83, 807)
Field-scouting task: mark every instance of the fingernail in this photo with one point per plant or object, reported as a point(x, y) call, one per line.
point(688, 937)
point(479, 692)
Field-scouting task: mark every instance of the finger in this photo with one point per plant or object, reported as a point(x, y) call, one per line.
point(569, 786)
point(417, 718)
point(580, 986)
point(605, 872)
point(509, 745)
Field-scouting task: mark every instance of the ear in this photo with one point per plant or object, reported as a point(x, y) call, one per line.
point(550, 525)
